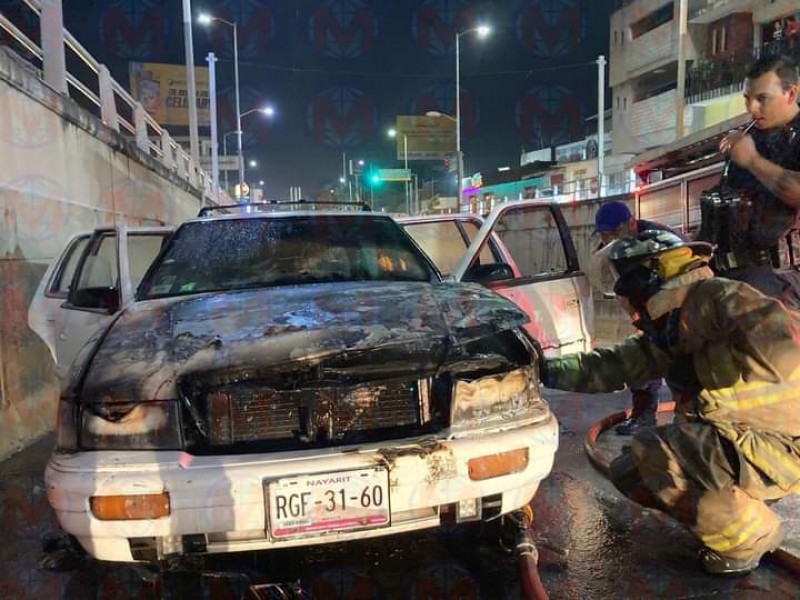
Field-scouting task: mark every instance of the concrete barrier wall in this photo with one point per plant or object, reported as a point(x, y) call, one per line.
point(62, 172)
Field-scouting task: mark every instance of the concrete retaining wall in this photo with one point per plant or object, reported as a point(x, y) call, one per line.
point(62, 172)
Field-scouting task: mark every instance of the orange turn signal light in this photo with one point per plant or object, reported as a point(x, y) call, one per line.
point(130, 508)
point(497, 465)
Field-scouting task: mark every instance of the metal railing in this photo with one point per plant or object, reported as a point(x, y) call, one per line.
point(118, 109)
point(716, 77)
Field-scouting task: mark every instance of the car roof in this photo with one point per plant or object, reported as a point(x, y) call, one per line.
point(287, 214)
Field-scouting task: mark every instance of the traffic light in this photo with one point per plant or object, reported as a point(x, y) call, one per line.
point(373, 178)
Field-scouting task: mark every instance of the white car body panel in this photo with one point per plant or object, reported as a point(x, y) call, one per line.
point(227, 493)
point(551, 290)
point(65, 330)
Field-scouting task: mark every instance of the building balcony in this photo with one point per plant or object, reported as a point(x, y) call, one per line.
point(651, 122)
point(708, 11)
point(652, 48)
point(713, 78)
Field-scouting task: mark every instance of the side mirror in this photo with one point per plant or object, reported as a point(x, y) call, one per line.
point(489, 273)
point(104, 298)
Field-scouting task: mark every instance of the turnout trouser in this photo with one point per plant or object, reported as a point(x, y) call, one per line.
point(699, 478)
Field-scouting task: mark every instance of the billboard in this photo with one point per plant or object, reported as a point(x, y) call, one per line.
point(163, 91)
point(425, 138)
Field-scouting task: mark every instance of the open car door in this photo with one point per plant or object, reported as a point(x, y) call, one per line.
point(93, 279)
point(539, 272)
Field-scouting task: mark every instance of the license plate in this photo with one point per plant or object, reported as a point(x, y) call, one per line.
point(328, 503)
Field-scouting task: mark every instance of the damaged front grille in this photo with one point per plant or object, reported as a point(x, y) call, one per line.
point(248, 413)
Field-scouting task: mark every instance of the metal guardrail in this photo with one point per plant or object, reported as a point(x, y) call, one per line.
point(105, 93)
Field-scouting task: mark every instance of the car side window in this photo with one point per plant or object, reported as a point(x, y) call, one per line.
point(62, 278)
point(443, 242)
point(142, 251)
point(100, 269)
point(534, 241)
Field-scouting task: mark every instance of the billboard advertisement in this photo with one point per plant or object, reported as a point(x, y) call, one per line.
point(425, 138)
point(163, 91)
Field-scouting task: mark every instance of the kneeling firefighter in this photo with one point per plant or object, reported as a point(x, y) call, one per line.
point(731, 356)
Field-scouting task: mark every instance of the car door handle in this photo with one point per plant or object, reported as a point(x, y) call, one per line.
point(62, 336)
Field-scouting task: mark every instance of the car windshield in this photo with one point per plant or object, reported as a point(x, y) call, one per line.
point(245, 253)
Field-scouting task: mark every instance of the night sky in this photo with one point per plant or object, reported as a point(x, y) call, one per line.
point(339, 71)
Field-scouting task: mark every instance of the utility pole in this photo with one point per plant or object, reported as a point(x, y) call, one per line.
point(601, 124)
point(680, 100)
point(194, 142)
point(212, 93)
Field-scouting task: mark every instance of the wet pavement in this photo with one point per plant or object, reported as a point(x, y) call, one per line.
point(615, 549)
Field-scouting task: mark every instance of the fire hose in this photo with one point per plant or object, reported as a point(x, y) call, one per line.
point(527, 556)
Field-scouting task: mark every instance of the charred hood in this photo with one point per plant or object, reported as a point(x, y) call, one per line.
point(375, 329)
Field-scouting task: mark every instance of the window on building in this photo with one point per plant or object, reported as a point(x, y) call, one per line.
point(615, 38)
point(719, 40)
point(624, 104)
point(655, 19)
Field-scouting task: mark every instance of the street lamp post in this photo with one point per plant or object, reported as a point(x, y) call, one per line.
point(482, 31)
point(266, 110)
point(392, 134)
point(207, 20)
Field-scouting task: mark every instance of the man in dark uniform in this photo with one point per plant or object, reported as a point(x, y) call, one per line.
point(765, 171)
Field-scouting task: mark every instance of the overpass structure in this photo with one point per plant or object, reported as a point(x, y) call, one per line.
point(77, 153)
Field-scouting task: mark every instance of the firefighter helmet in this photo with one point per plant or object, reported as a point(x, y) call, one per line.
point(627, 253)
point(636, 261)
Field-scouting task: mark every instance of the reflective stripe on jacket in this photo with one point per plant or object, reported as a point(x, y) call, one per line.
point(745, 350)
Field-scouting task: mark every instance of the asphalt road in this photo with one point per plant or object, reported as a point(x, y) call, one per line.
point(614, 548)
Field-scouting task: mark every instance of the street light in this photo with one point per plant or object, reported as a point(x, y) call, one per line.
point(393, 134)
point(482, 31)
point(264, 110)
point(206, 19)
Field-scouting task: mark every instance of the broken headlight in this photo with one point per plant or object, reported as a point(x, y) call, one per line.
point(497, 401)
point(152, 425)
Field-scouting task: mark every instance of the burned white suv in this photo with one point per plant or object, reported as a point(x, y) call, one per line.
point(284, 379)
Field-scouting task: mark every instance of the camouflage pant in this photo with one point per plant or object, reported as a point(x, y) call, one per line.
point(699, 478)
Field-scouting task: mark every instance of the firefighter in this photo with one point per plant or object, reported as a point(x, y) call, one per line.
point(764, 171)
point(612, 221)
point(731, 357)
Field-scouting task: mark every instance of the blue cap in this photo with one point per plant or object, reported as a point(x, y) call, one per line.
point(610, 216)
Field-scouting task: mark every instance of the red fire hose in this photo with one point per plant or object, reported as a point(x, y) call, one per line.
point(528, 556)
point(778, 557)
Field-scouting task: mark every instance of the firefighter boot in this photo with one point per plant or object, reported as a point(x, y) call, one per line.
point(737, 531)
point(717, 564)
point(645, 407)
